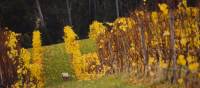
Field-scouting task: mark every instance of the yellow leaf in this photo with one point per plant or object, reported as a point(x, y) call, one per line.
point(181, 60)
point(180, 81)
point(183, 41)
point(151, 60)
point(166, 33)
point(193, 66)
point(154, 17)
point(163, 64)
point(163, 8)
point(189, 59)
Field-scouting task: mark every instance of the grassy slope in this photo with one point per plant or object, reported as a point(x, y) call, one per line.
point(56, 61)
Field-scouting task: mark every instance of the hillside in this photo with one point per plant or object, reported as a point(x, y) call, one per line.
point(57, 61)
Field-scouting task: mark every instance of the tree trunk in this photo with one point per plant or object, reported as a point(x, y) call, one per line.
point(117, 7)
point(172, 39)
point(40, 13)
point(144, 49)
point(69, 12)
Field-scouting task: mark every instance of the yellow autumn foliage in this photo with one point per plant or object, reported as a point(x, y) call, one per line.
point(190, 59)
point(25, 56)
point(81, 64)
point(193, 66)
point(11, 43)
point(183, 41)
point(181, 60)
point(163, 64)
point(37, 67)
point(72, 47)
point(184, 2)
point(124, 23)
point(152, 60)
point(164, 8)
point(29, 75)
point(23, 68)
point(96, 28)
point(154, 17)
point(180, 81)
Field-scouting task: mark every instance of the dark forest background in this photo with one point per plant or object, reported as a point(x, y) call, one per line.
point(21, 15)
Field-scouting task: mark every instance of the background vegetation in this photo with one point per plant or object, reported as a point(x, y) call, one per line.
point(154, 46)
point(21, 15)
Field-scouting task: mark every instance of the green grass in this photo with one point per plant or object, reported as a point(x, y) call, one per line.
point(56, 61)
point(105, 82)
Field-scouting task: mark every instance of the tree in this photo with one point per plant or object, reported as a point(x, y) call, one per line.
point(117, 7)
point(40, 13)
point(69, 11)
point(172, 38)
